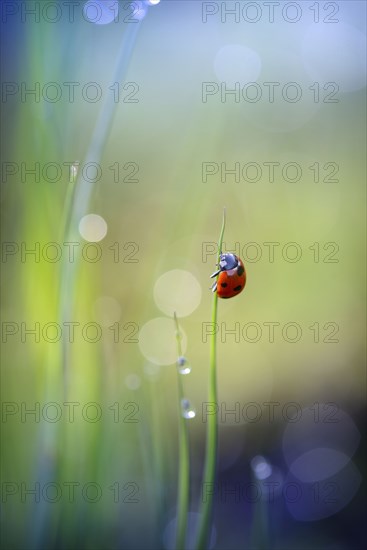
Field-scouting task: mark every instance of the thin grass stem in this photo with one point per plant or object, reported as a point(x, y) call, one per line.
point(183, 493)
point(212, 427)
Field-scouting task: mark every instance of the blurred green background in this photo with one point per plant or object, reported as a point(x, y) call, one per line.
point(168, 219)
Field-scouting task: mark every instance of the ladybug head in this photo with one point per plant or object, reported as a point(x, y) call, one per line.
point(228, 261)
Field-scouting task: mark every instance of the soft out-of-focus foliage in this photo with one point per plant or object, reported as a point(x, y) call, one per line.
point(291, 343)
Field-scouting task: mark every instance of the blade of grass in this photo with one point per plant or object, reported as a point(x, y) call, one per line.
point(184, 459)
point(212, 427)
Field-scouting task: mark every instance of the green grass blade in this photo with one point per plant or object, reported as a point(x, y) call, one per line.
point(184, 460)
point(212, 427)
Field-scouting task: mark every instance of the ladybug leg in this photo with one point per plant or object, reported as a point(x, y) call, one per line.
point(214, 287)
point(215, 273)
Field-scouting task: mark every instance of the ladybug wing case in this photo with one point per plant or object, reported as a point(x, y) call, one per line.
point(230, 283)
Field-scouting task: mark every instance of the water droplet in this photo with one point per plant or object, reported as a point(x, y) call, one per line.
point(261, 467)
point(183, 366)
point(74, 171)
point(186, 410)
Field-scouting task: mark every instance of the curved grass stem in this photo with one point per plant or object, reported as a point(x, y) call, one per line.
point(212, 427)
point(184, 460)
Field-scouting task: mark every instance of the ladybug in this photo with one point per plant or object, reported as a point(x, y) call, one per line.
point(232, 276)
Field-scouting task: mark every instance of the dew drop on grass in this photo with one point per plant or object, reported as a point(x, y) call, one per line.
point(261, 467)
point(183, 365)
point(73, 172)
point(186, 410)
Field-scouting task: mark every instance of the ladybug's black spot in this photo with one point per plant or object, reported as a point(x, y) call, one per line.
point(240, 270)
point(237, 288)
point(223, 285)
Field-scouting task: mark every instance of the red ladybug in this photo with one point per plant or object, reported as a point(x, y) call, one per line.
point(232, 276)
